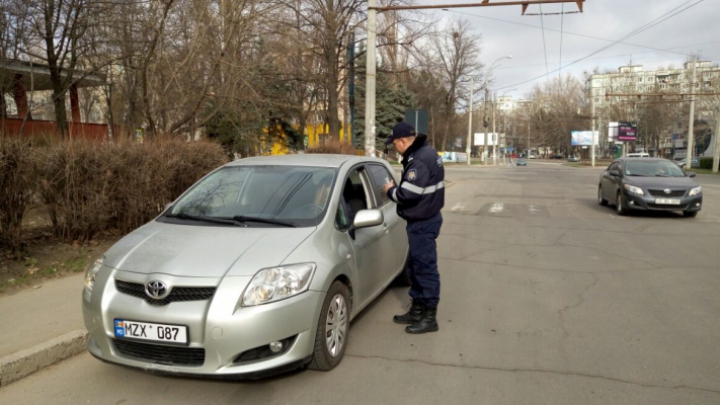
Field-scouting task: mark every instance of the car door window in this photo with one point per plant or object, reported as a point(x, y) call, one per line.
point(354, 195)
point(380, 176)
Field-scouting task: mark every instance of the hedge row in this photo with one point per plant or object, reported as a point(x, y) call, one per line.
point(706, 163)
point(87, 187)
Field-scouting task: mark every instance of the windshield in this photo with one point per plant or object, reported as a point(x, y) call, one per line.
point(296, 195)
point(657, 168)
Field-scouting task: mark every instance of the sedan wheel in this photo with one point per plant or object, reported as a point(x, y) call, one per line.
point(601, 200)
point(690, 214)
point(620, 204)
point(332, 331)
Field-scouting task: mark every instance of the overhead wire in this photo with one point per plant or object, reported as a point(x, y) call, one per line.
point(637, 31)
point(547, 69)
point(568, 32)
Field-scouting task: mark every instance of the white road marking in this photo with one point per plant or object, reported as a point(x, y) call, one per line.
point(533, 210)
point(497, 207)
point(458, 207)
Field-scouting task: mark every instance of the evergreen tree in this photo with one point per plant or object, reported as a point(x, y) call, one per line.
point(391, 102)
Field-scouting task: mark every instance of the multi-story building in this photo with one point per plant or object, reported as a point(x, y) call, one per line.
point(633, 79)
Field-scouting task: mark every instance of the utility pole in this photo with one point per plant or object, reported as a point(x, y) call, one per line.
point(716, 146)
point(485, 122)
point(592, 146)
point(495, 134)
point(690, 146)
point(470, 112)
point(370, 80)
point(371, 46)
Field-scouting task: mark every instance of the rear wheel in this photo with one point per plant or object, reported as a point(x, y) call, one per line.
point(690, 214)
point(601, 200)
point(620, 204)
point(332, 329)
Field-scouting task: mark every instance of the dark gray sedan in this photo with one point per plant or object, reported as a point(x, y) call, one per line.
point(649, 184)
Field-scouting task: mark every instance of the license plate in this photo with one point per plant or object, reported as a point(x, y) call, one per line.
point(156, 332)
point(667, 201)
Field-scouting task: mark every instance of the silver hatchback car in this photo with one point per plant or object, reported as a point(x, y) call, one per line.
point(257, 269)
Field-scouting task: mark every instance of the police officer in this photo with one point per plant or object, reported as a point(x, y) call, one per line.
point(419, 197)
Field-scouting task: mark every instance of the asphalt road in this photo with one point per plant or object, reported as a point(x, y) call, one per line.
point(547, 298)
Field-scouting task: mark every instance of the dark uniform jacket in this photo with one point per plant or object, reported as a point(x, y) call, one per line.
point(421, 193)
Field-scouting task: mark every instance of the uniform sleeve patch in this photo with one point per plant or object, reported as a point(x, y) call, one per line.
point(411, 175)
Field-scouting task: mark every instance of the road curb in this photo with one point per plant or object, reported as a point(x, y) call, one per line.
point(25, 362)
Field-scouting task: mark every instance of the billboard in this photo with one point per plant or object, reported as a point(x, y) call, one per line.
point(627, 131)
point(480, 139)
point(622, 131)
point(583, 138)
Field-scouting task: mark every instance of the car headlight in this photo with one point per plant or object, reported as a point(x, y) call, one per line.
point(91, 272)
point(634, 189)
point(278, 283)
point(695, 191)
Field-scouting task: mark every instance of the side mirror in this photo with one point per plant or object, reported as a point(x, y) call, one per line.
point(614, 173)
point(368, 218)
point(691, 174)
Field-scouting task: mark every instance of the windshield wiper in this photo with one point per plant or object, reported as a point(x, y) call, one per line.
point(243, 219)
point(183, 215)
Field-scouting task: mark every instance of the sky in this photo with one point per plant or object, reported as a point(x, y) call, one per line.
point(694, 30)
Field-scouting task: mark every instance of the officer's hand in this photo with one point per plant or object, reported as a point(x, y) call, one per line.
point(388, 186)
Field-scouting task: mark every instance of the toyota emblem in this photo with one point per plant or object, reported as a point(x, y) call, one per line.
point(157, 289)
point(667, 191)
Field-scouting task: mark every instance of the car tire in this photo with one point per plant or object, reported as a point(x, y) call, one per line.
point(601, 201)
point(336, 307)
point(620, 204)
point(690, 214)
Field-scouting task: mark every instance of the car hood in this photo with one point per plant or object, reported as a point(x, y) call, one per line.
point(203, 251)
point(660, 182)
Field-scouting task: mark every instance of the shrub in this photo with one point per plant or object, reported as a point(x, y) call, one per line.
point(89, 186)
point(334, 147)
point(17, 185)
point(706, 163)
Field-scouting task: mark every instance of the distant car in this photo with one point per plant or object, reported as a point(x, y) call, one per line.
point(695, 163)
point(649, 184)
point(573, 159)
point(556, 157)
point(521, 162)
point(531, 156)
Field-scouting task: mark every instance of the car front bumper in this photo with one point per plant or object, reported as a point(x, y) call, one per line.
point(648, 203)
point(219, 330)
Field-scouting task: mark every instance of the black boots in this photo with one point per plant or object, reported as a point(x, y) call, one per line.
point(427, 323)
point(413, 315)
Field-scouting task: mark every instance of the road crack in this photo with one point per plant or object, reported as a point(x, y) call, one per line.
point(539, 370)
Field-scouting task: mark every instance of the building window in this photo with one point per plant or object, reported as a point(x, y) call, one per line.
point(663, 86)
point(708, 85)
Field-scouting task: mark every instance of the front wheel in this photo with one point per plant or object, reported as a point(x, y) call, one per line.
point(332, 329)
point(690, 214)
point(620, 204)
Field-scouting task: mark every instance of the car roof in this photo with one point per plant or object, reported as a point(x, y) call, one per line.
point(641, 159)
point(307, 159)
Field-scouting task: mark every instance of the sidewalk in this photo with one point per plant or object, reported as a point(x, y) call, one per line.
point(39, 327)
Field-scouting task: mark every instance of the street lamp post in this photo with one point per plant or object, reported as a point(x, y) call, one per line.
point(485, 120)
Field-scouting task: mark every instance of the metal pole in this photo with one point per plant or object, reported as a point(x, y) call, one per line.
point(495, 134)
point(370, 81)
point(469, 137)
point(485, 122)
point(716, 146)
point(592, 146)
point(690, 146)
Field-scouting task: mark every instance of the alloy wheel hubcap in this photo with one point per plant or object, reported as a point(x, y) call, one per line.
point(336, 325)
